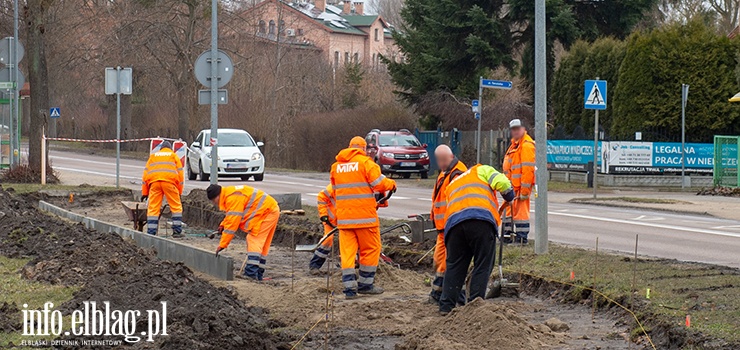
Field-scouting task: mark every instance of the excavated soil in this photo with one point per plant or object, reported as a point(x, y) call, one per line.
point(400, 318)
point(200, 315)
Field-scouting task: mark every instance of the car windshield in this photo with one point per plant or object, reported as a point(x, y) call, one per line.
point(399, 141)
point(232, 139)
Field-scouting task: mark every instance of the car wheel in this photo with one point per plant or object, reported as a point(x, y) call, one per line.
point(201, 173)
point(191, 174)
point(259, 177)
point(424, 174)
point(245, 177)
point(406, 176)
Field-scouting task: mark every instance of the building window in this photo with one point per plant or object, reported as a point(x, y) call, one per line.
point(346, 57)
point(263, 27)
point(272, 27)
point(377, 37)
point(373, 61)
point(356, 59)
point(300, 32)
point(281, 28)
point(336, 58)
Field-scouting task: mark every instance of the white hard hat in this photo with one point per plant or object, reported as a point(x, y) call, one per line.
point(515, 123)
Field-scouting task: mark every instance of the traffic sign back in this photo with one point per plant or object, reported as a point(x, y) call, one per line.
point(202, 69)
point(594, 94)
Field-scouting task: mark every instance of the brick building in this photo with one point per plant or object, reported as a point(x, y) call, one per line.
point(343, 32)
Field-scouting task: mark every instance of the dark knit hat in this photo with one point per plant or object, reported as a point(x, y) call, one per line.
point(165, 144)
point(213, 191)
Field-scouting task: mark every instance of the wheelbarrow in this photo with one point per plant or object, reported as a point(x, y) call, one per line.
point(136, 212)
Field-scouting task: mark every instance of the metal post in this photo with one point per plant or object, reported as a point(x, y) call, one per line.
point(118, 125)
point(15, 126)
point(540, 117)
point(480, 106)
point(596, 149)
point(43, 156)
point(214, 91)
point(684, 97)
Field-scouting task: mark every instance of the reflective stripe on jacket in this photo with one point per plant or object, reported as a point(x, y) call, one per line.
point(245, 208)
point(327, 205)
point(163, 165)
point(472, 195)
point(439, 201)
point(519, 165)
point(354, 178)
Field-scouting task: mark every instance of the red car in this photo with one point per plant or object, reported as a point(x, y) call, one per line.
point(398, 152)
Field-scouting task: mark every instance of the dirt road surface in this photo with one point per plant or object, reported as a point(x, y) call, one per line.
point(662, 234)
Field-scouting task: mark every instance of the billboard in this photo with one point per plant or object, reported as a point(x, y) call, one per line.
point(630, 157)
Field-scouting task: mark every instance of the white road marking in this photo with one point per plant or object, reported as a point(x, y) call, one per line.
point(733, 227)
point(648, 218)
point(425, 199)
point(399, 197)
point(639, 223)
point(111, 163)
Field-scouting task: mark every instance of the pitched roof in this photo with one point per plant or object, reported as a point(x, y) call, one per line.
point(361, 21)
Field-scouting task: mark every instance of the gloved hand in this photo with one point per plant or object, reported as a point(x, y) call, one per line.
point(218, 250)
point(324, 219)
point(144, 197)
point(220, 230)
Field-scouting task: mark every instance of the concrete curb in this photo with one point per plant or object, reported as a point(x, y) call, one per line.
point(195, 258)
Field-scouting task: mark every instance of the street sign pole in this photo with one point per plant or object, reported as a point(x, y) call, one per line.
point(214, 91)
point(596, 148)
point(684, 99)
point(477, 133)
point(118, 126)
point(15, 143)
point(540, 117)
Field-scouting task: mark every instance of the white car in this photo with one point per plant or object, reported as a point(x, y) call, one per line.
point(238, 156)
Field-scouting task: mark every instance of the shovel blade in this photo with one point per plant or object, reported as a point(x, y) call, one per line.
point(306, 247)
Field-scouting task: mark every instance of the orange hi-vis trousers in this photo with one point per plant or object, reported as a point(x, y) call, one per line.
point(440, 264)
point(258, 244)
point(521, 219)
point(323, 251)
point(367, 241)
point(157, 191)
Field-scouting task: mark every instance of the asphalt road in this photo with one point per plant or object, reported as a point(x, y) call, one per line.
point(676, 236)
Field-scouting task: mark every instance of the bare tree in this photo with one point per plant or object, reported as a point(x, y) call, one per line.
point(38, 76)
point(728, 14)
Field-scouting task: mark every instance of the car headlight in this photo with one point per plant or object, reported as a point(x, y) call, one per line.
point(424, 155)
point(257, 156)
point(388, 155)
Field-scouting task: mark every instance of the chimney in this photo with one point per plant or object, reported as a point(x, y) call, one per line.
point(347, 7)
point(320, 5)
point(359, 8)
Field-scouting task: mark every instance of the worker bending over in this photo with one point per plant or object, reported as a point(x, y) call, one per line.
point(163, 178)
point(327, 214)
point(519, 164)
point(254, 212)
point(470, 231)
point(354, 178)
point(450, 167)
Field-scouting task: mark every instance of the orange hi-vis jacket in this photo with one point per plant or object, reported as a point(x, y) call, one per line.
point(519, 165)
point(327, 205)
point(354, 178)
point(164, 166)
point(245, 208)
point(439, 201)
point(472, 195)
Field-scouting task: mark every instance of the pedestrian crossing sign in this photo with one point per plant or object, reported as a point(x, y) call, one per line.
point(594, 94)
point(55, 112)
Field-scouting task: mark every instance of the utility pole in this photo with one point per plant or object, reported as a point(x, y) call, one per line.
point(540, 117)
point(596, 149)
point(684, 98)
point(480, 117)
point(214, 92)
point(15, 127)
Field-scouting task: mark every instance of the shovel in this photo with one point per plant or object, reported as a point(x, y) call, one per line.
point(498, 285)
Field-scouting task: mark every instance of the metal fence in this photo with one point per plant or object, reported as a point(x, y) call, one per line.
point(463, 143)
point(726, 165)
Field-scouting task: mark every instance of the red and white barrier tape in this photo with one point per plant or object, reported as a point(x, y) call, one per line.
point(107, 141)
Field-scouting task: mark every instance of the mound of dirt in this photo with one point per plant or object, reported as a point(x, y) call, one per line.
point(9, 318)
point(719, 191)
point(200, 316)
point(486, 325)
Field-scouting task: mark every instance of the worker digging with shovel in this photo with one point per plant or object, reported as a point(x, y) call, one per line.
point(163, 178)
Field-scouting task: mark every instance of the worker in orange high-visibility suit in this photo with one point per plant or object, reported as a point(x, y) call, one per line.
point(471, 223)
point(519, 164)
point(354, 178)
point(449, 168)
point(254, 212)
point(163, 178)
point(326, 205)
